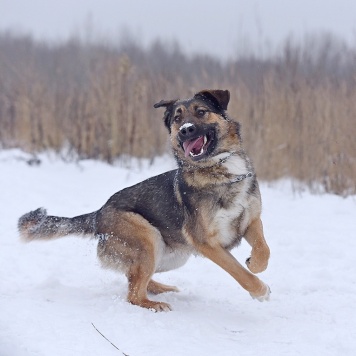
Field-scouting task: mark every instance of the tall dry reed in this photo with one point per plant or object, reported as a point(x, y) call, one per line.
point(297, 109)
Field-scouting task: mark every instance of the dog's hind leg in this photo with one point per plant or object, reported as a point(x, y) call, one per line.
point(139, 277)
point(157, 288)
point(132, 246)
point(260, 251)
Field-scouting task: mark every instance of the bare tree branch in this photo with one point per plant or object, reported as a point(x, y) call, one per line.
point(108, 340)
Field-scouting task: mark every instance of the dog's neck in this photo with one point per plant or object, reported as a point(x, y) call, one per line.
point(226, 157)
point(240, 165)
point(224, 170)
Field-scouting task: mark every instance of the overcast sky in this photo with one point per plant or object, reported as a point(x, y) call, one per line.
point(217, 27)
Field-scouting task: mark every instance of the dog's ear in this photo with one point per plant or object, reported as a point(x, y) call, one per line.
point(168, 104)
point(165, 103)
point(218, 97)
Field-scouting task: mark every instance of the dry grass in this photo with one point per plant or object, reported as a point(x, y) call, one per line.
point(298, 109)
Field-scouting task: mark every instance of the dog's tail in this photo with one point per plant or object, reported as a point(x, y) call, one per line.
point(37, 225)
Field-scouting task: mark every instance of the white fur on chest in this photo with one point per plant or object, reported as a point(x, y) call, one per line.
point(236, 165)
point(225, 220)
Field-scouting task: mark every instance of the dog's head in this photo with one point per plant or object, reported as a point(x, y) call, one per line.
point(199, 127)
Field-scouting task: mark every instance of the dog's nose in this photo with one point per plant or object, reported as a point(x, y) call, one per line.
point(187, 129)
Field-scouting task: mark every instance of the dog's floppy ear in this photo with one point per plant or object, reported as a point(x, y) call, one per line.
point(218, 97)
point(168, 104)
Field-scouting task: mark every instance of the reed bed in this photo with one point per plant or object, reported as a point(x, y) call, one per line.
point(91, 100)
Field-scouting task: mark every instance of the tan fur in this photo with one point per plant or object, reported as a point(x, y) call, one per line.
point(158, 288)
point(227, 261)
point(203, 235)
point(136, 241)
point(260, 251)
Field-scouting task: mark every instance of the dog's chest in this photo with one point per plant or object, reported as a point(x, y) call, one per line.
point(231, 222)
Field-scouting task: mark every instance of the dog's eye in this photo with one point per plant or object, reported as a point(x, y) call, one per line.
point(178, 115)
point(201, 113)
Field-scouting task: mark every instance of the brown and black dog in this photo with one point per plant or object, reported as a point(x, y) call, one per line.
point(204, 207)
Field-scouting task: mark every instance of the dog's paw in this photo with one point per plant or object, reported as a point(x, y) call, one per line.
point(254, 266)
point(151, 305)
point(263, 297)
point(160, 307)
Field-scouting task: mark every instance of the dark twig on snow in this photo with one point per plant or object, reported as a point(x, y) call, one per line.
point(108, 340)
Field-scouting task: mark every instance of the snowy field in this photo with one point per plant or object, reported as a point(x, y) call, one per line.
point(52, 292)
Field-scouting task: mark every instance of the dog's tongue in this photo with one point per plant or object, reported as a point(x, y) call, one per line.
point(193, 145)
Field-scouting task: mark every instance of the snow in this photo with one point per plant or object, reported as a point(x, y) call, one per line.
point(185, 126)
point(51, 292)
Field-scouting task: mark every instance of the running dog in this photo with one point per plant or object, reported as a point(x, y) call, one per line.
point(205, 207)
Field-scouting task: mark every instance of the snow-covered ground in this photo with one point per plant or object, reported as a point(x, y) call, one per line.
point(52, 292)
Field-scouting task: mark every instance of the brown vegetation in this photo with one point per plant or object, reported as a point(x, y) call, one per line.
point(297, 109)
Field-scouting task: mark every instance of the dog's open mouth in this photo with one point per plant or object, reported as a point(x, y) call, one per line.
point(197, 146)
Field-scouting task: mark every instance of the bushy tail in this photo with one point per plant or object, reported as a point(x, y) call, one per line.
point(37, 225)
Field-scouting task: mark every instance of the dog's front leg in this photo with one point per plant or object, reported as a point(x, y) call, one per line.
point(227, 261)
point(260, 251)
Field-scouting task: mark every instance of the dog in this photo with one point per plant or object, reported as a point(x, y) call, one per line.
point(204, 207)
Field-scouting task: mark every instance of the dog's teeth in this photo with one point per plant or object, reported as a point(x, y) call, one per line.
point(201, 150)
point(198, 154)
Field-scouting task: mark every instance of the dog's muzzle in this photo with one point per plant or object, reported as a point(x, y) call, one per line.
point(194, 141)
